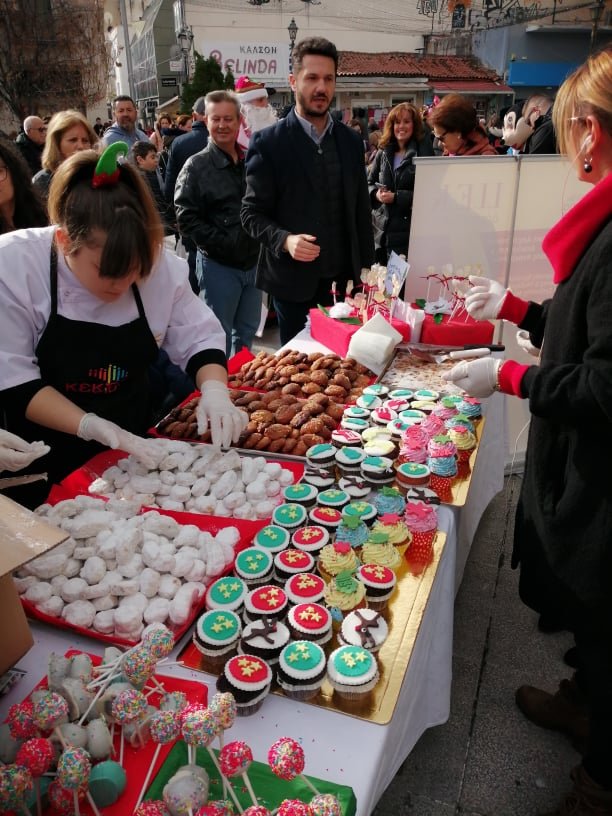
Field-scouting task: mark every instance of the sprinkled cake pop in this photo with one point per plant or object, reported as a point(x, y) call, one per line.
point(325, 804)
point(286, 760)
point(50, 710)
point(256, 810)
point(185, 792)
point(217, 808)
point(173, 701)
point(62, 799)
point(235, 759)
point(293, 807)
point(165, 728)
point(128, 707)
point(154, 807)
point(21, 720)
point(36, 755)
point(223, 705)
point(138, 665)
point(73, 769)
point(15, 784)
point(159, 639)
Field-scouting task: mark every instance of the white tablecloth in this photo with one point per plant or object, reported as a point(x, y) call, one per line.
point(340, 748)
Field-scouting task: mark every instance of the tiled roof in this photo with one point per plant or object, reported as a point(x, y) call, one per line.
point(401, 64)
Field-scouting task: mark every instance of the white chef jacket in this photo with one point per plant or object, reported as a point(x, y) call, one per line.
point(181, 323)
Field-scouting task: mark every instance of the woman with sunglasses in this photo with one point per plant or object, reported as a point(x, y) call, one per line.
point(455, 125)
point(391, 179)
point(563, 527)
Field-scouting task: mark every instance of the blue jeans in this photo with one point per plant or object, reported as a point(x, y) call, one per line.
point(232, 296)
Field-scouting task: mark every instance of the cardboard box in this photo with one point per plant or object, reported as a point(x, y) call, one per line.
point(23, 536)
point(336, 335)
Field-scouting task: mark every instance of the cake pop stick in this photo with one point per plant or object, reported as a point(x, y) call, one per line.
point(235, 758)
point(223, 706)
point(36, 755)
point(286, 760)
point(128, 706)
point(165, 728)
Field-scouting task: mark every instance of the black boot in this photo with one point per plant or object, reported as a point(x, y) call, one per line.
point(566, 711)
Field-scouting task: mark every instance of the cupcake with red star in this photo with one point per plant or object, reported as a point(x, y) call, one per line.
point(380, 583)
point(394, 527)
point(336, 558)
point(248, 678)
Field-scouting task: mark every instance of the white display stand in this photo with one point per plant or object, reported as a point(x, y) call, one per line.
point(338, 747)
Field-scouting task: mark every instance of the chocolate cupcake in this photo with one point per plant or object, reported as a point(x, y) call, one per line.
point(310, 621)
point(267, 601)
point(272, 538)
point(291, 562)
point(264, 638)
point(248, 678)
point(305, 587)
point(301, 670)
point(216, 637)
point(254, 566)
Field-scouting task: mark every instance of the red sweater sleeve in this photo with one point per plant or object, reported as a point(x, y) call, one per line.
point(510, 377)
point(513, 309)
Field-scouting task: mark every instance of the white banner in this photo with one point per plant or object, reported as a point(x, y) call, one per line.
point(261, 62)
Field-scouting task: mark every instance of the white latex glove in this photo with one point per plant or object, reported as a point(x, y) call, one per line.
point(477, 378)
point(522, 338)
point(93, 427)
point(216, 408)
point(16, 453)
point(484, 298)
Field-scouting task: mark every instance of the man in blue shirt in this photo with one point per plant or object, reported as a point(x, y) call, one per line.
point(124, 127)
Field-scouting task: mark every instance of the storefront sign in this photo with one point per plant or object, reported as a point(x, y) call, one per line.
point(168, 82)
point(261, 62)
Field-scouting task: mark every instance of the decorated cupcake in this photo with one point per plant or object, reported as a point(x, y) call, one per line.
point(352, 529)
point(355, 412)
point(403, 393)
point(355, 486)
point(349, 460)
point(413, 449)
point(364, 627)
point(254, 566)
point(310, 539)
point(264, 638)
point(422, 494)
point(352, 672)
point(442, 462)
point(397, 404)
point(267, 601)
point(302, 667)
point(272, 538)
point(375, 432)
point(459, 419)
point(445, 409)
point(377, 470)
point(413, 416)
point(364, 510)
point(310, 621)
point(248, 678)
point(289, 515)
point(327, 517)
point(388, 500)
point(394, 527)
point(345, 592)
point(305, 587)
point(291, 562)
point(227, 593)
point(471, 407)
point(320, 455)
point(336, 558)
point(381, 447)
point(343, 438)
point(302, 493)
point(422, 522)
point(433, 426)
point(464, 440)
point(333, 498)
point(320, 477)
point(378, 550)
point(379, 582)
point(369, 401)
point(426, 394)
point(383, 415)
point(397, 428)
point(378, 389)
point(216, 637)
point(354, 424)
point(412, 474)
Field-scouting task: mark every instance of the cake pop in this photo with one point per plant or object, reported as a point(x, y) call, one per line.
point(21, 720)
point(128, 707)
point(235, 759)
point(223, 705)
point(286, 760)
point(62, 799)
point(159, 640)
point(293, 807)
point(73, 768)
point(36, 755)
point(218, 808)
point(154, 807)
point(256, 810)
point(185, 792)
point(325, 804)
point(15, 784)
point(49, 710)
point(165, 728)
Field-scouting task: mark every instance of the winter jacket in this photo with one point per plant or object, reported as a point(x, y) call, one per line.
point(115, 133)
point(543, 139)
point(30, 151)
point(401, 182)
point(180, 150)
point(207, 200)
point(42, 182)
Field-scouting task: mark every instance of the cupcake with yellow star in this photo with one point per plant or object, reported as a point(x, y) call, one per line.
point(352, 672)
point(301, 670)
point(380, 583)
point(216, 637)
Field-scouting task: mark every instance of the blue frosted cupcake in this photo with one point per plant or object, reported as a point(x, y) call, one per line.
point(471, 407)
point(460, 419)
point(352, 530)
point(389, 500)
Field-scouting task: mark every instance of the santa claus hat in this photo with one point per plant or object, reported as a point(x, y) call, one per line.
point(248, 90)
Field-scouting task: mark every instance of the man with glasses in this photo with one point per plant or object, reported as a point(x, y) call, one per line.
point(32, 141)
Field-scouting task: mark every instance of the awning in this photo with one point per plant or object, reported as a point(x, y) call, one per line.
point(476, 87)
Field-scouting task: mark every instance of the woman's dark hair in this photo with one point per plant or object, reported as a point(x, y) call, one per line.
point(313, 45)
point(124, 213)
point(388, 137)
point(456, 114)
point(29, 208)
point(141, 150)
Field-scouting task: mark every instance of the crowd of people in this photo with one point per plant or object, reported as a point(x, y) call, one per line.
point(288, 206)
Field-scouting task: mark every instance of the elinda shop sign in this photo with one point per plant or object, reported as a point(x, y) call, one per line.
point(262, 62)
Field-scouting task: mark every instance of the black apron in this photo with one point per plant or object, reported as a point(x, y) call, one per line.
point(103, 370)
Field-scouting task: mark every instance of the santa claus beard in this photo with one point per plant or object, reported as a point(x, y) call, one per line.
point(258, 118)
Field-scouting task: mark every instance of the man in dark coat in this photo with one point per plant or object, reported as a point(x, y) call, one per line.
point(181, 149)
point(307, 200)
point(32, 141)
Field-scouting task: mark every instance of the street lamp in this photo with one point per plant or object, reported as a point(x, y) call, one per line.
point(185, 40)
point(293, 30)
point(596, 12)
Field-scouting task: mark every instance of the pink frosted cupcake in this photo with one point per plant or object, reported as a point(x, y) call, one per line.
point(412, 450)
point(445, 409)
point(441, 446)
point(433, 425)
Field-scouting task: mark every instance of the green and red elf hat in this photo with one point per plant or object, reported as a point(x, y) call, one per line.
point(108, 172)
